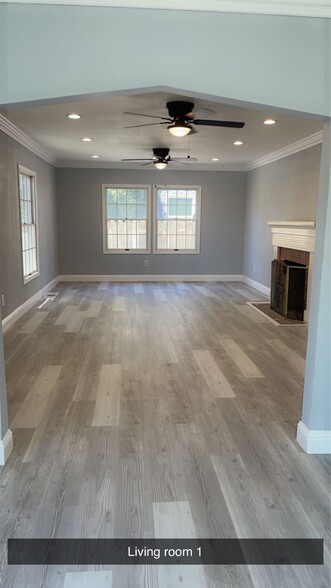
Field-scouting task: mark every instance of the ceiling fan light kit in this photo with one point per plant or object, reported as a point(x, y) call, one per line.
point(160, 164)
point(179, 128)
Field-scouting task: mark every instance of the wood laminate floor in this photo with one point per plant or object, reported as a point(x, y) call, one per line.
point(158, 410)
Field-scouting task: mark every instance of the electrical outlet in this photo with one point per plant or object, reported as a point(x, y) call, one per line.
point(146, 262)
point(3, 300)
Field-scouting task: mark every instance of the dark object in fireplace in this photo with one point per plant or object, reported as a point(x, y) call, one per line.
point(288, 280)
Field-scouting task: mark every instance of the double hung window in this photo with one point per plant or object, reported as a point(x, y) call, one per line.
point(126, 212)
point(29, 225)
point(177, 219)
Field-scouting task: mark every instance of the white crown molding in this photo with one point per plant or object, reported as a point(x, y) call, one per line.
point(296, 147)
point(307, 8)
point(12, 131)
point(15, 133)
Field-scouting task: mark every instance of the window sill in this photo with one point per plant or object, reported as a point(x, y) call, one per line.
point(29, 278)
point(124, 252)
point(173, 252)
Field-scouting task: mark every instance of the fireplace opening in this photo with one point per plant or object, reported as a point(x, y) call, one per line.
point(289, 287)
point(298, 256)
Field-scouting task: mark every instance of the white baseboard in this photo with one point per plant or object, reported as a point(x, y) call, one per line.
point(9, 320)
point(6, 447)
point(151, 278)
point(313, 441)
point(256, 285)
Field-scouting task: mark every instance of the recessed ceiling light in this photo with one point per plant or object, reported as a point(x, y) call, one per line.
point(215, 159)
point(238, 143)
point(95, 156)
point(73, 116)
point(87, 139)
point(270, 121)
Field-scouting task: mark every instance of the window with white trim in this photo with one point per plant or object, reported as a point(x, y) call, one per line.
point(126, 219)
point(177, 219)
point(29, 224)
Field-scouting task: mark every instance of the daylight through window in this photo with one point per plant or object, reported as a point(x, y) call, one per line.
point(177, 219)
point(28, 215)
point(126, 212)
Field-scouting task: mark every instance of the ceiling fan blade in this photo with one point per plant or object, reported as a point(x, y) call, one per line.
point(219, 123)
point(145, 159)
point(187, 158)
point(145, 125)
point(147, 115)
point(203, 112)
point(176, 162)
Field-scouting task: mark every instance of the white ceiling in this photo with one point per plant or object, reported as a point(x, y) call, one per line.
point(309, 8)
point(103, 119)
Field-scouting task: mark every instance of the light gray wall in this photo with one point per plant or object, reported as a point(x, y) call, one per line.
point(316, 413)
point(70, 50)
point(11, 281)
point(284, 190)
point(80, 223)
point(3, 49)
point(3, 391)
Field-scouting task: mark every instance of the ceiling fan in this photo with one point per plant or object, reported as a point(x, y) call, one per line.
point(181, 119)
point(161, 158)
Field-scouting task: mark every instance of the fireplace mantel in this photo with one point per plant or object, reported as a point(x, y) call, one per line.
point(293, 234)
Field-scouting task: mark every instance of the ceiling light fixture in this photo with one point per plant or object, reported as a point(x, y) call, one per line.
point(238, 142)
point(179, 128)
point(87, 139)
point(215, 159)
point(74, 116)
point(269, 121)
point(95, 156)
point(160, 164)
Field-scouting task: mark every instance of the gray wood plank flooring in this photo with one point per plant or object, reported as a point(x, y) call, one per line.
point(33, 323)
point(31, 410)
point(88, 580)
point(107, 406)
point(215, 379)
point(158, 410)
point(242, 361)
point(174, 520)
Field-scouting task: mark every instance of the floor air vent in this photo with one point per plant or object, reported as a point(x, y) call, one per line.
point(49, 296)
